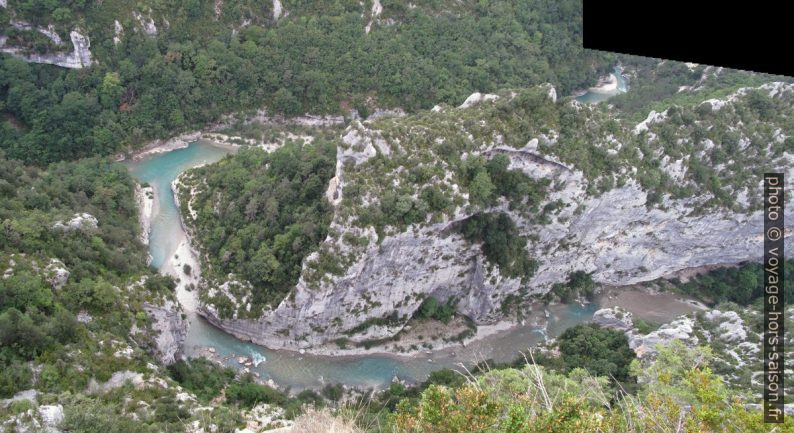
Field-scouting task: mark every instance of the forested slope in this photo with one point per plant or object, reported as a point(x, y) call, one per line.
point(177, 66)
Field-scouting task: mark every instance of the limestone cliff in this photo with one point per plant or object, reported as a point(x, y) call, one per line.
point(647, 213)
point(79, 57)
point(170, 328)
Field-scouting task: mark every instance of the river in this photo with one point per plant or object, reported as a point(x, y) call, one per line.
point(299, 371)
point(615, 87)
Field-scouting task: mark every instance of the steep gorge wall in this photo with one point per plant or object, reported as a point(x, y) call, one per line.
point(615, 235)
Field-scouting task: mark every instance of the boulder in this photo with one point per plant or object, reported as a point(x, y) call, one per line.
point(614, 318)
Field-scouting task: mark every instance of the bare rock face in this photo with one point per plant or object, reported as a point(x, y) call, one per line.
point(476, 98)
point(26, 395)
point(44, 419)
point(145, 198)
point(57, 274)
point(730, 328)
point(616, 236)
point(278, 10)
point(645, 346)
point(80, 221)
point(118, 32)
point(146, 23)
point(51, 417)
point(171, 330)
point(614, 318)
point(680, 329)
point(79, 58)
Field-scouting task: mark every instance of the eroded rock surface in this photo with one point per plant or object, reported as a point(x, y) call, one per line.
point(170, 329)
point(617, 236)
point(80, 57)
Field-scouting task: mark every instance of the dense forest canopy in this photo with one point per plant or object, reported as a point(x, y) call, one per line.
point(319, 59)
point(259, 214)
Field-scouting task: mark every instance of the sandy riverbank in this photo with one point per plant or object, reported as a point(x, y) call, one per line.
point(184, 265)
point(147, 207)
point(610, 85)
point(175, 265)
point(187, 282)
point(267, 146)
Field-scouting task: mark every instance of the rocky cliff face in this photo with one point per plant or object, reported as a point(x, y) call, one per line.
point(170, 330)
point(621, 235)
point(79, 57)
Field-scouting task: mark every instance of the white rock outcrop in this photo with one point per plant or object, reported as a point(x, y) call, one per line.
point(614, 318)
point(26, 395)
point(43, 419)
point(170, 329)
point(730, 325)
point(145, 198)
point(80, 221)
point(118, 32)
point(51, 417)
point(79, 58)
point(375, 12)
point(680, 329)
point(146, 23)
point(57, 274)
point(478, 97)
point(616, 236)
point(278, 10)
point(653, 117)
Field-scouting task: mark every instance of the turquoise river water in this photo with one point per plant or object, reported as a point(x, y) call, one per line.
point(300, 371)
point(291, 369)
point(600, 95)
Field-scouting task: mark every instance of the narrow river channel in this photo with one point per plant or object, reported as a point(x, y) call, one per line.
point(299, 371)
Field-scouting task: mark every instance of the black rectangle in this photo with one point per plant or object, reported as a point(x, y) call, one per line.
point(774, 304)
point(732, 34)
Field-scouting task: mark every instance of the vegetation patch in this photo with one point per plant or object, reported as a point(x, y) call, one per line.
point(501, 243)
point(258, 214)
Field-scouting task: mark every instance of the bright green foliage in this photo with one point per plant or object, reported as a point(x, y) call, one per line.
point(260, 214)
point(38, 322)
point(489, 179)
point(532, 399)
point(333, 392)
point(93, 417)
point(249, 394)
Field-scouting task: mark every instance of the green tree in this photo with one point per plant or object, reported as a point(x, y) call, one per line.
point(481, 189)
point(602, 352)
point(285, 102)
point(110, 90)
